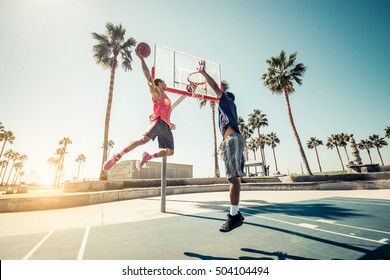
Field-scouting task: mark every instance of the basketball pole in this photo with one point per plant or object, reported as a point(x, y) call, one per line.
point(163, 184)
point(164, 167)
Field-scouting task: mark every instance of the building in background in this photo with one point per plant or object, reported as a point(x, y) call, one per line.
point(127, 169)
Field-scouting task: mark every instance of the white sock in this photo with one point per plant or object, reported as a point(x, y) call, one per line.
point(234, 209)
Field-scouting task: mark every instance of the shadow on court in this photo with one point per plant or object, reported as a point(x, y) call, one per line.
point(272, 256)
point(315, 209)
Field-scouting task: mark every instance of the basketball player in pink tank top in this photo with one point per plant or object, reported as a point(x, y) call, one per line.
point(160, 124)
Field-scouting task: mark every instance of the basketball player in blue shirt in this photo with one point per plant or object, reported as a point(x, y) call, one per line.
point(232, 148)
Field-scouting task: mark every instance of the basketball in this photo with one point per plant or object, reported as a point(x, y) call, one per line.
point(143, 49)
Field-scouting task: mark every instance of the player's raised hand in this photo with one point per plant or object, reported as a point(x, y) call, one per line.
point(202, 66)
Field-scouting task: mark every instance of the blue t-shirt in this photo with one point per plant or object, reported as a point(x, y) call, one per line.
point(227, 114)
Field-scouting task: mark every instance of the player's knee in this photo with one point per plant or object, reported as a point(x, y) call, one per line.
point(170, 152)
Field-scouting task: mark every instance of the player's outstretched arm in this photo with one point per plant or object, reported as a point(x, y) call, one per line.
point(145, 68)
point(154, 90)
point(209, 79)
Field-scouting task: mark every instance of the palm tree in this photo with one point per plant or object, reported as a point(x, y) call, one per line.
point(387, 131)
point(6, 136)
point(3, 164)
point(14, 156)
point(378, 142)
point(281, 74)
point(108, 48)
point(64, 142)
point(18, 167)
point(80, 158)
point(1, 127)
point(333, 142)
point(313, 143)
point(366, 145)
point(246, 132)
point(253, 146)
point(272, 140)
point(110, 145)
point(60, 152)
point(344, 138)
point(203, 104)
point(256, 120)
point(8, 155)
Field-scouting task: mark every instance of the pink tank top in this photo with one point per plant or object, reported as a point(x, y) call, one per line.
point(162, 109)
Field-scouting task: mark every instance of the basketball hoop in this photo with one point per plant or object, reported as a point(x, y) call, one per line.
point(195, 79)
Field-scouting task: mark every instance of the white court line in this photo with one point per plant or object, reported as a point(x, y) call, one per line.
point(323, 221)
point(83, 244)
point(322, 230)
point(356, 202)
point(36, 247)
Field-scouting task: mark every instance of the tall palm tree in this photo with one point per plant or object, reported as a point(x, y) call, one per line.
point(6, 136)
point(378, 142)
point(366, 145)
point(387, 131)
point(313, 143)
point(256, 120)
point(272, 140)
point(109, 47)
point(333, 142)
point(80, 158)
point(281, 74)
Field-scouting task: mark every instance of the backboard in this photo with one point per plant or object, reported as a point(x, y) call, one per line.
point(174, 67)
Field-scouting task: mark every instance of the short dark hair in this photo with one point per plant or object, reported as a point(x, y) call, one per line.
point(230, 95)
point(156, 81)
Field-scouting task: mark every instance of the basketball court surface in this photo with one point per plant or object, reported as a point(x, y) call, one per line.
point(279, 225)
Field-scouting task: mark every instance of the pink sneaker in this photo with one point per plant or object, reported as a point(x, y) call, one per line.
point(111, 162)
point(145, 158)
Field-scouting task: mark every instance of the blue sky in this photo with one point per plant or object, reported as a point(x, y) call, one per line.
point(51, 87)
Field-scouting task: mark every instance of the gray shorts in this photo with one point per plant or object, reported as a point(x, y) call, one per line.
point(160, 129)
point(232, 149)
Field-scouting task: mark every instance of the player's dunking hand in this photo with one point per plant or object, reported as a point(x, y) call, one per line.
point(202, 66)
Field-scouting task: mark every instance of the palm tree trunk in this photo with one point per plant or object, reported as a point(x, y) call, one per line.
point(345, 149)
point(318, 159)
point(2, 148)
point(380, 155)
point(276, 164)
point(369, 155)
point(9, 174)
point(103, 175)
point(304, 159)
point(78, 171)
point(260, 148)
point(5, 171)
point(341, 160)
point(216, 166)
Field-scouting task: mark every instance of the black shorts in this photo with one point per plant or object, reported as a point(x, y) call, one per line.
point(160, 129)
